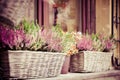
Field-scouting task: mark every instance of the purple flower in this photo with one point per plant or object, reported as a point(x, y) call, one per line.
point(10, 37)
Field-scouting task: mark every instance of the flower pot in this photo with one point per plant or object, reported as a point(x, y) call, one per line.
point(90, 61)
point(66, 65)
point(31, 64)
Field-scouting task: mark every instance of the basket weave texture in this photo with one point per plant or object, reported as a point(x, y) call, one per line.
point(90, 61)
point(31, 64)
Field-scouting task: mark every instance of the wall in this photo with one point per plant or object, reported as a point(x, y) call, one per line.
point(12, 12)
point(30, 10)
point(103, 16)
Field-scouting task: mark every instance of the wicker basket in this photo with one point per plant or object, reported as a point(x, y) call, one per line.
point(90, 61)
point(31, 64)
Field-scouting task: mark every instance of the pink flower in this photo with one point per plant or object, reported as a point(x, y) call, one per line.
point(53, 42)
point(10, 37)
point(84, 44)
point(95, 43)
point(108, 45)
point(15, 38)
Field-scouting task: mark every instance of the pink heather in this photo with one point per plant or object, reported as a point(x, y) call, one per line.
point(85, 44)
point(11, 37)
point(108, 44)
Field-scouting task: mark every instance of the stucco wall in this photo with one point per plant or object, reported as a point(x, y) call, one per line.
point(13, 12)
point(30, 10)
point(103, 16)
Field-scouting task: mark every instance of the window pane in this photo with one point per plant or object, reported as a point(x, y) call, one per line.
point(67, 16)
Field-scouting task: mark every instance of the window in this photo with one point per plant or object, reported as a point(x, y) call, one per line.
point(76, 15)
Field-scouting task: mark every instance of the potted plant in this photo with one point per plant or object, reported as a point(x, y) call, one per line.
point(95, 52)
point(68, 45)
point(25, 53)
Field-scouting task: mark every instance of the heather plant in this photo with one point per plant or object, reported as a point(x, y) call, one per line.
point(103, 43)
point(67, 41)
point(25, 36)
point(29, 36)
point(53, 42)
point(11, 38)
point(85, 43)
point(32, 32)
point(52, 38)
point(95, 42)
point(59, 41)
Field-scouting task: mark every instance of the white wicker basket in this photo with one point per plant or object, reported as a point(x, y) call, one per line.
point(90, 61)
point(31, 64)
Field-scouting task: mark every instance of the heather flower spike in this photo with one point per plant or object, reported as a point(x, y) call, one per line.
point(95, 42)
point(25, 36)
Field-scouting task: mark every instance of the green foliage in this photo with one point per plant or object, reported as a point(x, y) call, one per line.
point(58, 30)
point(33, 31)
point(30, 27)
point(68, 38)
point(68, 41)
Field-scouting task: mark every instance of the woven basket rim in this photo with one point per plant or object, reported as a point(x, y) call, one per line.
point(96, 52)
point(36, 52)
